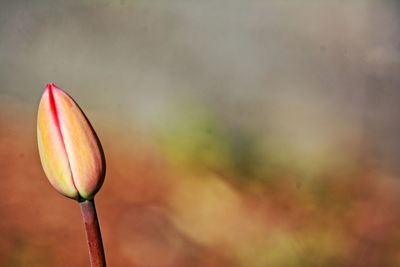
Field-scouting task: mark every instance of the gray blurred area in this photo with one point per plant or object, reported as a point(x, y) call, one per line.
point(303, 71)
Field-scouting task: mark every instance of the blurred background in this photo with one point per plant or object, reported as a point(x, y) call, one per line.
point(236, 133)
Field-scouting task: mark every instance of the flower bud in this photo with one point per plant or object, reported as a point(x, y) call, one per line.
point(70, 152)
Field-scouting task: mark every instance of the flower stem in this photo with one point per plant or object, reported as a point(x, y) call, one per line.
point(93, 234)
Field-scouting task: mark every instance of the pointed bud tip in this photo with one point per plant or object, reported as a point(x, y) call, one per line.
point(51, 86)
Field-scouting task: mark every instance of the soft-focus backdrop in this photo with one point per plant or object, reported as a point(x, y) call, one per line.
point(237, 133)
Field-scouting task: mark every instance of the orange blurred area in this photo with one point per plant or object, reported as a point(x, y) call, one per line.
point(159, 211)
point(236, 134)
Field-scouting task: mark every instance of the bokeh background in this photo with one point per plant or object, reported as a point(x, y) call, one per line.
point(237, 133)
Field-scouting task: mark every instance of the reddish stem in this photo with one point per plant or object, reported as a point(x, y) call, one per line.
point(93, 234)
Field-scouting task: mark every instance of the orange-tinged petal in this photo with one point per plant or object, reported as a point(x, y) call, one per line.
point(70, 152)
point(82, 146)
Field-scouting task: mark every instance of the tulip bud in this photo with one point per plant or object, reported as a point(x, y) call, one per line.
point(70, 152)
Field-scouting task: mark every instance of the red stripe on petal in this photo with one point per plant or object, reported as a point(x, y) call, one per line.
point(54, 112)
point(53, 109)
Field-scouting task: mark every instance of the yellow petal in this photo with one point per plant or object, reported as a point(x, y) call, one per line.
point(52, 151)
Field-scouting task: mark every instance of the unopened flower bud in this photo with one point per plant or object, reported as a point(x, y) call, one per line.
point(70, 152)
